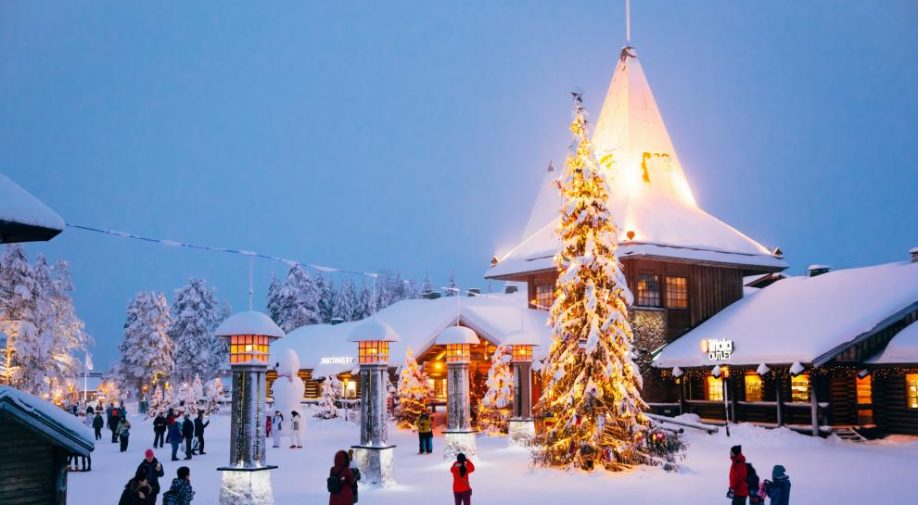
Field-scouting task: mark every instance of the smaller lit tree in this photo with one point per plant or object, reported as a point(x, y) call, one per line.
point(331, 393)
point(494, 411)
point(214, 396)
point(187, 400)
point(413, 393)
point(197, 387)
point(156, 405)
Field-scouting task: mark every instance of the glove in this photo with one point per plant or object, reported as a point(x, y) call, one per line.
point(730, 493)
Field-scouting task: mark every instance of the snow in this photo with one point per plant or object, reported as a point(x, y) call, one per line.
point(43, 411)
point(457, 335)
point(503, 475)
point(19, 206)
point(649, 193)
point(250, 322)
point(902, 349)
point(789, 321)
point(373, 330)
point(418, 322)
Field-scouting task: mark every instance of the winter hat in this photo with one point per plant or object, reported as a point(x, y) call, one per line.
point(778, 471)
point(736, 449)
point(148, 453)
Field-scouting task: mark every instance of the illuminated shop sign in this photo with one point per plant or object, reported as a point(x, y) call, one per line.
point(717, 349)
point(336, 360)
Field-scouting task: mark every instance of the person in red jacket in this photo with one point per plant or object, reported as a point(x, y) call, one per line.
point(738, 488)
point(342, 471)
point(462, 491)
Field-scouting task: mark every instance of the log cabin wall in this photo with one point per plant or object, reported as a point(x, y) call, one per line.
point(29, 466)
point(890, 403)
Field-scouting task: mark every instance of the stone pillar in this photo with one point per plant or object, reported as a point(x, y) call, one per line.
point(245, 479)
point(522, 428)
point(374, 456)
point(459, 437)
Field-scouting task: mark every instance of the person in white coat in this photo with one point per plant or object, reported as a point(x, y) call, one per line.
point(277, 424)
point(296, 424)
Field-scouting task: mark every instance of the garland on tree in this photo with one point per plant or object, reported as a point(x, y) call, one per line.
point(592, 393)
point(413, 393)
point(495, 409)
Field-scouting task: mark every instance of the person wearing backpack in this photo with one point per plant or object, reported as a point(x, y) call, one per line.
point(752, 485)
point(124, 433)
point(425, 434)
point(136, 490)
point(778, 489)
point(180, 493)
point(738, 490)
point(340, 482)
point(462, 491)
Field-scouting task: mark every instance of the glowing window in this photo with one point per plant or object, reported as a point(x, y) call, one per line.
point(544, 296)
point(458, 353)
point(864, 390)
point(714, 389)
point(373, 351)
point(248, 348)
point(753, 387)
point(800, 388)
point(911, 392)
point(677, 292)
point(648, 290)
point(521, 352)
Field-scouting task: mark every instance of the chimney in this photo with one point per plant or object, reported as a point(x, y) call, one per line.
point(815, 270)
point(913, 254)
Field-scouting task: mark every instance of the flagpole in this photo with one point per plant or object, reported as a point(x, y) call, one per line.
point(84, 384)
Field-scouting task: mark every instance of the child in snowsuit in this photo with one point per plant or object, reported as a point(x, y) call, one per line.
point(752, 485)
point(462, 491)
point(778, 488)
point(425, 434)
point(180, 493)
point(277, 423)
point(295, 425)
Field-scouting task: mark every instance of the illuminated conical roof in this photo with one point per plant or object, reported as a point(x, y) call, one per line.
point(649, 194)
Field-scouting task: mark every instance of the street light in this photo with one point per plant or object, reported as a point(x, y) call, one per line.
point(459, 436)
point(245, 480)
point(521, 428)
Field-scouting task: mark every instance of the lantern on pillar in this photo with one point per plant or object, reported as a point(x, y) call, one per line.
point(521, 428)
point(459, 436)
point(374, 456)
point(245, 479)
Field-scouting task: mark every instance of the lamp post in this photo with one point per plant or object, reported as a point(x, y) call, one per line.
point(521, 427)
point(459, 436)
point(246, 479)
point(374, 455)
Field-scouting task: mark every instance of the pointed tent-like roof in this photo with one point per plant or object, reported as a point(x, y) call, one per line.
point(24, 218)
point(649, 195)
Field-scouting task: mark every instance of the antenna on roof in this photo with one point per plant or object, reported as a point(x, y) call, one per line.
point(628, 21)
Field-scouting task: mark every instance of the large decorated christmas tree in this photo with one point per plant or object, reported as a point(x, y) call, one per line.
point(412, 394)
point(592, 391)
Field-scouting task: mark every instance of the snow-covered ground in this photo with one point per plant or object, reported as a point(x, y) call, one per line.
point(822, 471)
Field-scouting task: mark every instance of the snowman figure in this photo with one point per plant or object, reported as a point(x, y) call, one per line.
point(288, 392)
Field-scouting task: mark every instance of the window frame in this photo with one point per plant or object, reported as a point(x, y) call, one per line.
point(685, 292)
point(759, 383)
point(718, 395)
point(639, 298)
point(795, 395)
point(544, 296)
point(911, 391)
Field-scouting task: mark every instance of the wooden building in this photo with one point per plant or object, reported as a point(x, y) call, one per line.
point(36, 437)
point(833, 351)
point(682, 264)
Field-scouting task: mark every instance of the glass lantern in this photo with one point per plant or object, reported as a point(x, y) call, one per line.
point(245, 349)
point(373, 351)
point(522, 353)
point(458, 353)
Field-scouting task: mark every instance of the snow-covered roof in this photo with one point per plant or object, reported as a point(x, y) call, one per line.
point(418, 323)
point(51, 422)
point(24, 218)
point(250, 322)
point(373, 329)
point(649, 193)
point(805, 319)
point(902, 349)
point(457, 335)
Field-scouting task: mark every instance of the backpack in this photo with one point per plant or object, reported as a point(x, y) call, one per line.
point(169, 498)
point(333, 483)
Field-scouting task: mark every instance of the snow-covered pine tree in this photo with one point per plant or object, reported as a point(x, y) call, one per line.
point(346, 306)
point(156, 406)
point(593, 387)
point(187, 400)
point(426, 288)
point(494, 411)
point(219, 347)
point(364, 302)
point(451, 289)
point(273, 302)
point(195, 316)
point(327, 298)
point(214, 396)
point(413, 392)
point(298, 300)
point(146, 350)
point(71, 337)
point(197, 388)
point(331, 393)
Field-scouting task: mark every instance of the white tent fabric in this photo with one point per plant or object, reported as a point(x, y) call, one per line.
point(649, 195)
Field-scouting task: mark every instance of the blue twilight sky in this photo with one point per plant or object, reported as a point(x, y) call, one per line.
point(413, 135)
